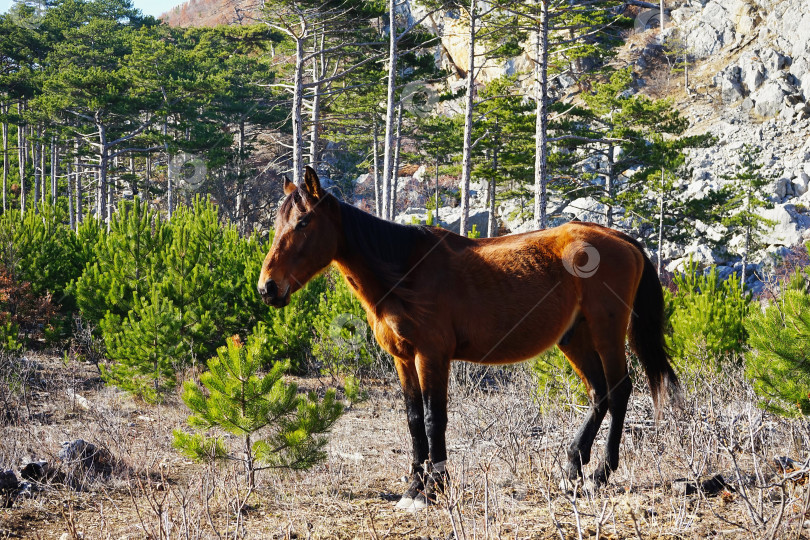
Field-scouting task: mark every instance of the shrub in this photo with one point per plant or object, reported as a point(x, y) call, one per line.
point(556, 378)
point(25, 317)
point(342, 343)
point(146, 350)
point(278, 427)
point(40, 250)
point(779, 360)
point(706, 315)
point(289, 331)
point(193, 273)
point(125, 263)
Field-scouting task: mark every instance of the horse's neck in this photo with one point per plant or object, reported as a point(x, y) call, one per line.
point(362, 281)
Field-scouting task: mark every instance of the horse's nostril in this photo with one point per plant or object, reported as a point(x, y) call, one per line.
point(270, 288)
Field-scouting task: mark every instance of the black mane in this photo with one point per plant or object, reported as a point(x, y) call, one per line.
point(386, 247)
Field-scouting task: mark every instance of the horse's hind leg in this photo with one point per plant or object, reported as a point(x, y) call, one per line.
point(580, 352)
point(414, 406)
point(610, 346)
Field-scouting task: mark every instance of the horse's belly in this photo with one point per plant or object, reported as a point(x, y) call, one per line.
point(505, 343)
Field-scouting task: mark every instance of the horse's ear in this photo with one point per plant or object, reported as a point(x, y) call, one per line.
point(289, 187)
point(312, 184)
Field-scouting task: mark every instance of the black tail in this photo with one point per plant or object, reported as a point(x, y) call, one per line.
point(647, 334)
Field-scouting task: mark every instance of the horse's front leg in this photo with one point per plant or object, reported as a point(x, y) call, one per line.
point(433, 378)
point(415, 409)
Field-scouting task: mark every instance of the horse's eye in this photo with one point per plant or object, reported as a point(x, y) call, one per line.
point(303, 222)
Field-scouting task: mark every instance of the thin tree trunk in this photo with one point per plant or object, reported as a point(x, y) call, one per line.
point(239, 178)
point(389, 107)
point(376, 167)
point(541, 123)
point(42, 161)
point(21, 157)
point(298, 128)
point(469, 104)
point(314, 137)
point(661, 19)
point(661, 224)
point(745, 256)
point(54, 161)
point(35, 158)
point(134, 185)
point(71, 213)
point(492, 223)
point(436, 210)
point(103, 164)
point(110, 197)
point(5, 156)
point(609, 185)
point(148, 178)
point(78, 182)
point(169, 174)
point(395, 171)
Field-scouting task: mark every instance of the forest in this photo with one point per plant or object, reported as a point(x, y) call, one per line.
point(142, 169)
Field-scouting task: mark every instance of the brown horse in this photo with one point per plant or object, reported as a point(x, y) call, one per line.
point(433, 296)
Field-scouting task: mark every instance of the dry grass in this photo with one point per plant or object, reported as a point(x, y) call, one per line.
point(507, 447)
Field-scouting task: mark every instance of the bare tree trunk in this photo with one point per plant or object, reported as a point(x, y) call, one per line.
point(492, 223)
point(661, 19)
point(42, 161)
point(35, 147)
point(110, 195)
point(395, 175)
point(541, 123)
point(298, 128)
point(240, 225)
point(469, 104)
point(78, 182)
point(169, 174)
point(436, 210)
point(54, 161)
point(389, 108)
point(70, 181)
point(148, 177)
point(376, 167)
point(134, 182)
point(21, 157)
point(317, 74)
point(609, 185)
point(103, 164)
point(661, 224)
point(5, 155)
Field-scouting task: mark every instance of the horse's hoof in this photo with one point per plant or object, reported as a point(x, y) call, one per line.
point(570, 486)
point(412, 505)
point(590, 487)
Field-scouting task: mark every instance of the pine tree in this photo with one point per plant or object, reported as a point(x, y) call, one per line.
point(343, 343)
point(779, 359)
point(278, 427)
point(706, 315)
point(147, 349)
point(127, 259)
point(745, 198)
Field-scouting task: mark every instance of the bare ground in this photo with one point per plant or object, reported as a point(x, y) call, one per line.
point(506, 441)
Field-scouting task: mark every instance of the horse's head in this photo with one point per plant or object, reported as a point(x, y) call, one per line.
point(305, 241)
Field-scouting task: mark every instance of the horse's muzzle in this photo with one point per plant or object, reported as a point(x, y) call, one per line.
point(270, 294)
